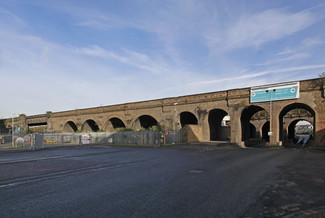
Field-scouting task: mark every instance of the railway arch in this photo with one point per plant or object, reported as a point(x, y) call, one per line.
point(202, 114)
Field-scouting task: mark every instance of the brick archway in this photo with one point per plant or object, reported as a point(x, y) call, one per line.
point(245, 118)
point(217, 131)
point(145, 121)
point(90, 126)
point(188, 118)
point(70, 126)
point(290, 107)
point(114, 123)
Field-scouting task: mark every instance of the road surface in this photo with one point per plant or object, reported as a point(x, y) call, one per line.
point(112, 181)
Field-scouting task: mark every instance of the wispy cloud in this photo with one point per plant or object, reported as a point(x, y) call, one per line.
point(285, 59)
point(299, 51)
point(258, 74)
point(286, 51)
point(108, 53)
point(10, 18)
point(311, 42)
point(259, 28)
point(132, 58)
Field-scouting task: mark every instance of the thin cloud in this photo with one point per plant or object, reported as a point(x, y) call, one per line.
point(259, 74)
point(289, 58)
point(131, 58)
point(9, 17)
point(149, 49)
point(259, 28)
point(311, 42)
point(286, 51)
point(300, 51)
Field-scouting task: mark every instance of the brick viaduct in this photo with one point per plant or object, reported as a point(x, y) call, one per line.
point(198, 115)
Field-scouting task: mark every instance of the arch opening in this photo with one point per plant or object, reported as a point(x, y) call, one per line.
point(250, 134)
point(188, 118)
point(300, 127)
point(147, 121)
point(252, 131)
point(290, 119)
point(90, 126)
point(37, 127)
point(114, 123)
point(219, 125)
point(265, 131)
point(70, 126)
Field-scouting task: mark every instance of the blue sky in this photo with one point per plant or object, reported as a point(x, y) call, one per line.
point(58, 55)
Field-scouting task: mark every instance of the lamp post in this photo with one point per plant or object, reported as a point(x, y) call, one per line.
point(175, 104)
point(270, 133)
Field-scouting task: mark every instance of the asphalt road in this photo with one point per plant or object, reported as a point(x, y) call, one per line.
point(111, 181)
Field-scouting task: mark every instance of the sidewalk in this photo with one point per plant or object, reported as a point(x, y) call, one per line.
point(299, 191)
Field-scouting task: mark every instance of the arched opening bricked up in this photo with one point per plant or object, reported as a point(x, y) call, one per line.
point(70, 127)
point(218, 131)
point(286, 137)
point(90, 126)
point(188, 118)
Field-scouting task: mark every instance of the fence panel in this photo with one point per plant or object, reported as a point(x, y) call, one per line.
point(123, 137)
point(172, 137)
point(38, 141)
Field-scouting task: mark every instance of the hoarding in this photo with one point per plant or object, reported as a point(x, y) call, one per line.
point(276, 92)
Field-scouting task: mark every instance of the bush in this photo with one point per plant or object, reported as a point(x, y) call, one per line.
point(124, 129)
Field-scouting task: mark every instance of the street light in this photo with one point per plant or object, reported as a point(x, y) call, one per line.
point(175, 104)
point(270, 133)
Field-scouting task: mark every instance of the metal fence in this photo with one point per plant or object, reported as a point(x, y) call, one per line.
point(33, 141)
point(41, 140)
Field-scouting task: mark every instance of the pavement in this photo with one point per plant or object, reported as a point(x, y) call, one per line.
point(179, 181)
point(299, 189)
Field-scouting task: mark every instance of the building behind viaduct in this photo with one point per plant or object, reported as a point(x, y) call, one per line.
point(199, 116)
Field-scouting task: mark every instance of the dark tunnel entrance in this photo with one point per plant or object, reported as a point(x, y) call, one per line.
point(90, 126)
point(249, 132)
point(219, 130)
point(147, 121)
point(115, 123)
point(70, 127)
point(265, 131)
point(252, 131)
point(188, 118)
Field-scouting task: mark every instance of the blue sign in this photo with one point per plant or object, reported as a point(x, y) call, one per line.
point(275, 92)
